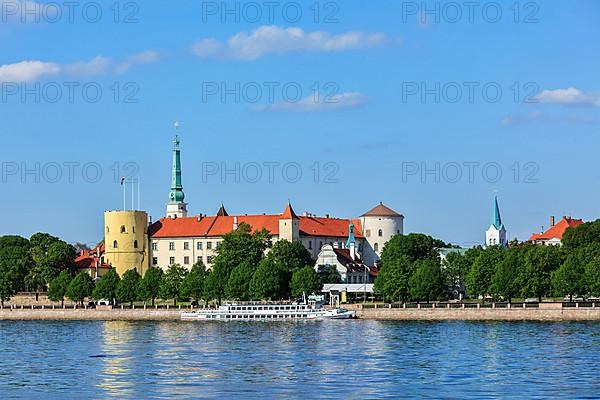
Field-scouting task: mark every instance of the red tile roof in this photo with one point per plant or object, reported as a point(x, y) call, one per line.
point(381, 211)
point(356, 265)
point(557, 230)
point(219, 226)
point(289, 213)
point(89, 258)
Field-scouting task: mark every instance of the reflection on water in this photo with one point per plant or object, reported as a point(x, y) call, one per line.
point(300, 359)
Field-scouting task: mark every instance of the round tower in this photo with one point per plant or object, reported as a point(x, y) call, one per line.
point(379, 225)
point(126, 240)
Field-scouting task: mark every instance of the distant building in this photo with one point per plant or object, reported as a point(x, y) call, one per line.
point(347, 261)
point(92, 262)
point(553, 236)
point(185, 240)
point(496, 233)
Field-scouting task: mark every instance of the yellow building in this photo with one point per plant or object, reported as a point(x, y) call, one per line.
point(126, 240)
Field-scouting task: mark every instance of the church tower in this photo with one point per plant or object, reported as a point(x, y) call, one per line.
point(496, 233)
point(176, 207)
point(289, 225)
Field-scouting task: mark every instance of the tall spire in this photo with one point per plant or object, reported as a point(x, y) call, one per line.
point(176, 206)
point(351, 239)
point(497, 220)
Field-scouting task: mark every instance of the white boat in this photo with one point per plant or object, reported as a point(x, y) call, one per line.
point(267, 312)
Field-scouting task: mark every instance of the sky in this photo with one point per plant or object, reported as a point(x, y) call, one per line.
point(430, 107)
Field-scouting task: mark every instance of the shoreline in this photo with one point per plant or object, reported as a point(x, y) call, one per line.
point(546, 312)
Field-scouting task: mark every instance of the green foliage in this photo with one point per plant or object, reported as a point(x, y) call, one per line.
point(193, 283)
point(238, 285)
point(505, 280)
point(568, 279)
point(15, 264)
point(456, 267)
point(540, 262)
point(127, 289)
point(80, 287)
point(171, 283)
point(427, 281)
point(592, 276)
point(582, 236)
point(305, 281)
point(289, 257)
point(57, 289)
point(268, 281)
point(414, 246)
point(329, 274)
point(392, 280)
point(237, 247)
point(106, 287)
point(149, 286)
point(479, 278)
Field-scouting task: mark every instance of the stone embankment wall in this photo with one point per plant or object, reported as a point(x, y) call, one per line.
point(80, 314)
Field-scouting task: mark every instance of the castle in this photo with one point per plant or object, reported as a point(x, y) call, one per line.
point(131, 243)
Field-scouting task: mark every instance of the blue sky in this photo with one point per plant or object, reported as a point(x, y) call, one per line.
point(371, 131)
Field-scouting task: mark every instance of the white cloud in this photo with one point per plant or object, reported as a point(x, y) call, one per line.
point(318, 103)
point(569, 96)
point(146, 57)
point(27, 71)
point(31, 71)
point(276, 40)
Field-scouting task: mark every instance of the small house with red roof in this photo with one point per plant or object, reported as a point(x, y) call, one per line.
point(92, 262)
point(553, 236)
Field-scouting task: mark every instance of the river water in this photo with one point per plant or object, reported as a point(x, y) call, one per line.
point(355, 359)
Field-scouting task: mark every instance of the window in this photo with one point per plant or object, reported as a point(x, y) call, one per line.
point(199, 246)
point(123, 229)
point(154, 260)
point(154, 246)
point(368, 233)
point(380, 233)
point(186, 245)
point(186, 260)
point(171, 260)
point(209, 259)
point(320, 245)
point(376, 247)
point(208, 245)
point(199, 259)
point(310, 245)
point(133, 229)
point(107, 229)
point(171, 246)
point(115, 245)
point(135, 244)
point(218, 244)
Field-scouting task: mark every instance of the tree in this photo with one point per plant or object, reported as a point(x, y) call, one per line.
point(193, 283)
point(236, 248)
point(80, 287)
point(15, 264)
point(479, 278)
point(427, 281)
point(305, 281)
point(329, 274)
point(42, 241)
point(60, 256)
point(455, 268)
point(106, 287)
point(171, 283)
point(592, 276)
point(505, 281)
point(238, 285)
point(34, 281)
point(57, 289)
point(582, 235)
point(268, 281)
point(540, 262)
point(414, 246)
point(392, 280)
point(289, 257)
point(127, 289)
point(149, 287)
point(568, 279)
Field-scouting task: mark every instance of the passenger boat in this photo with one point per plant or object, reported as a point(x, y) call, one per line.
point(267, 312)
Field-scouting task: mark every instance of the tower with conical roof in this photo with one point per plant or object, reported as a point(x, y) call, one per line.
point(289, 225)
point(176, 207)
point(496, 233)
point(379, 225)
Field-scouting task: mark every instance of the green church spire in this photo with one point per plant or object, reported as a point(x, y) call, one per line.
point(496, 220)
point(176, 195)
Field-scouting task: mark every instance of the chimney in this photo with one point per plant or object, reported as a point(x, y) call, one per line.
point(235, 223)
point(551, 220)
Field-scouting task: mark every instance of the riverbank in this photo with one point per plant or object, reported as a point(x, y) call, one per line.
point(430, 312)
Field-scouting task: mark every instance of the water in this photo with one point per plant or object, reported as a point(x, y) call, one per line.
point(308, 359)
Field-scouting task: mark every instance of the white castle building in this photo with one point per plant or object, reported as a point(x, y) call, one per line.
point(182, 239)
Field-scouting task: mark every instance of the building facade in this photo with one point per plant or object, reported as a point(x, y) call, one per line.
point(553, 235)
point(496, 233)
point(126, 240)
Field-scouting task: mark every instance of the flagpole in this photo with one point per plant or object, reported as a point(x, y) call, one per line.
point(124, 195)
point(132, 194)
point(138, 182)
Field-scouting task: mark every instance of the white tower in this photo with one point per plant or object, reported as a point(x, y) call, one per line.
point(496, 233)
point(379, 225)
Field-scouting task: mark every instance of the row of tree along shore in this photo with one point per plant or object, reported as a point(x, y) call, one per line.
point(241, 271)
point(410, 270)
